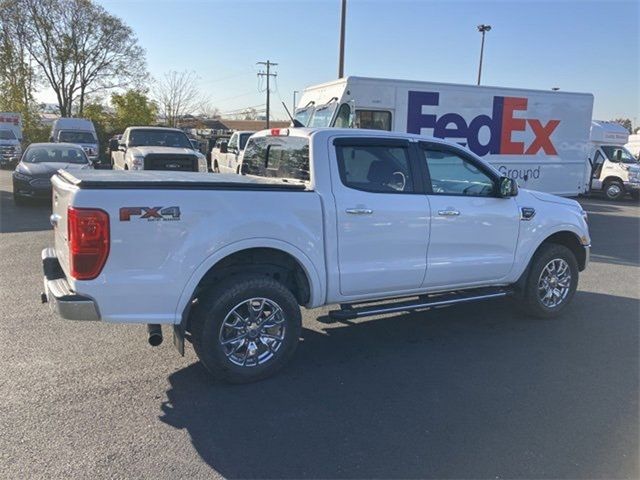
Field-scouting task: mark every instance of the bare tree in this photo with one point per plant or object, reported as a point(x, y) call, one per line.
point(177, 95)
point(78, 46)
point(208, 110)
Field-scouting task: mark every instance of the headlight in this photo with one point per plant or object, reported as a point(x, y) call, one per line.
point(21, 176)
point(584, 215)
point(137, 162)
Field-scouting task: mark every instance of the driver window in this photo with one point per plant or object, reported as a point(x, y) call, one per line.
point(452, 174)
point(375, 168)
point(344, 114)
point(233, 143)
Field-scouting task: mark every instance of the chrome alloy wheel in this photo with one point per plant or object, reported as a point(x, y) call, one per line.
point(554, 283)
point(252, 332)
point(613, 190)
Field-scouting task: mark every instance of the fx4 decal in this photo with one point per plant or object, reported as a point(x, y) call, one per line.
point(150, 213)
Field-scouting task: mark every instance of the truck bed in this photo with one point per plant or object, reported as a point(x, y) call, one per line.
point(162, 180)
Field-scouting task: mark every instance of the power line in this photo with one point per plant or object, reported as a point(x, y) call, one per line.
point(267, 75)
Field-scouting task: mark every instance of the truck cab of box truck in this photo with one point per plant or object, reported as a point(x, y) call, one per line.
point(539, 138)
point(614, 169)
point(10, 139)
point(79, 131)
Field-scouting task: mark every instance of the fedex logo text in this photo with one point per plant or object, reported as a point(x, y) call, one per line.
point(501, 124)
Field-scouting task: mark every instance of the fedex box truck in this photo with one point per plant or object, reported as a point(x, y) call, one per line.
point(540, 138)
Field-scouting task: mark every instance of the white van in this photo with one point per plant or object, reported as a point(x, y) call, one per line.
point(614, 169)
point(540, 138)
point(79, 131)
point(10, 138)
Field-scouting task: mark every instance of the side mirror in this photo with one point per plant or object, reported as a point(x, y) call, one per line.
point(122, 146)
point(223, 147)
point(618, 155)
point(507, 187)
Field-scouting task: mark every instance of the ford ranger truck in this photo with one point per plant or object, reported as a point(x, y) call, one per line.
point(157, 148)
point(375, 222)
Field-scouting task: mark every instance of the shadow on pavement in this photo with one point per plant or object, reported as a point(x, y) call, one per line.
point(614, 238)
point(31, 217)
point(468, 392)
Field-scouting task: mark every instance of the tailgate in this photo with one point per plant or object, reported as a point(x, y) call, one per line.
point(62, 196)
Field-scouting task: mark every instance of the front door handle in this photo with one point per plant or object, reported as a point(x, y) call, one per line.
point(448, 213)
point(359, 211)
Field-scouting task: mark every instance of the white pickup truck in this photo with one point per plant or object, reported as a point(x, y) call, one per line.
point(376, 222)
point(157, 148)
point(227, 157)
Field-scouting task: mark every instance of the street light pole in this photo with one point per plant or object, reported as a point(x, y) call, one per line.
point(482, 29)
point(343, 19)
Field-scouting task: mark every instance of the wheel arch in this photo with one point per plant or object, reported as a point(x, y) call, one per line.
point(561, 236)
point(264, 256)
point(611, 178)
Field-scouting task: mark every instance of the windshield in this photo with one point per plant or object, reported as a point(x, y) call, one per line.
point(612, 154)
point(76, 137)
point(158, 138)
point(277, 157)
point(322, 115)
point(55, 154)
point(7, 135)
point(302, 114)
point(243, 139)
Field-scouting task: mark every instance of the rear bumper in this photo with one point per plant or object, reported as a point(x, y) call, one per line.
point(58, 294)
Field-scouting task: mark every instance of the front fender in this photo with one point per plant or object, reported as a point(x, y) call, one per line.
point(316, 286)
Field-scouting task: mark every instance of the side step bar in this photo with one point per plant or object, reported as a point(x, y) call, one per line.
point(351, 312)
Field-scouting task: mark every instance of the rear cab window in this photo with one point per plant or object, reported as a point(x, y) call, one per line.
point(283, 157)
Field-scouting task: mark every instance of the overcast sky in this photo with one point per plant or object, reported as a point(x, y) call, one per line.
point(584, 46)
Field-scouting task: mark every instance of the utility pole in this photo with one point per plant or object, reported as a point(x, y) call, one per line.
point(482, 29)
point(343, 19)
point(267, 74)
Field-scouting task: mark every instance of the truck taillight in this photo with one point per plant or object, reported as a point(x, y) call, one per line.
point(279, 132)
point(88, 231)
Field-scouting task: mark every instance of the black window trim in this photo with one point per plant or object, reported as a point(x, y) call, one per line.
point(414, 168)
point(422, 145)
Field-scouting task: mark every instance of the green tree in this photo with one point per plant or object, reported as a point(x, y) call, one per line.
point(102, 120)
point(132, 108)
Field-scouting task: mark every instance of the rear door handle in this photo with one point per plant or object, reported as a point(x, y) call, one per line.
point(448, 213)
point(359, 211)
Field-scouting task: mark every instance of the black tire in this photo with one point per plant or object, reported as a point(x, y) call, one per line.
point(19, 200)
point(532, 303)
point(614, 190)
point(216, 168)
point(215, 305)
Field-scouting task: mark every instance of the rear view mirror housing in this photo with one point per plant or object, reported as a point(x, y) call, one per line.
point(507, 187)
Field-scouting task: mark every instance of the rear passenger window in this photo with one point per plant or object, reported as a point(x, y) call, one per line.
point(373, 168)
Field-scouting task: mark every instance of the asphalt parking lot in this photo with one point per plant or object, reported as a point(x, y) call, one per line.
point(468, 392)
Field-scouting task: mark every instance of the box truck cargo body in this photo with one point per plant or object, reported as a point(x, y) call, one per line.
point(540, 138)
